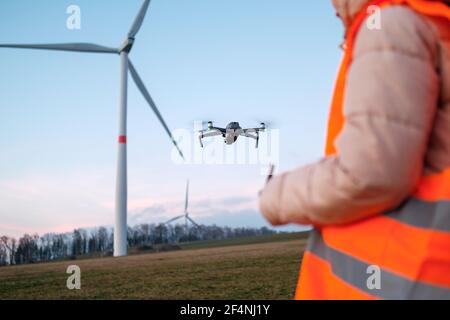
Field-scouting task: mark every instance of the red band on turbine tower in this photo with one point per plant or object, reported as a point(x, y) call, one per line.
point(122, 139)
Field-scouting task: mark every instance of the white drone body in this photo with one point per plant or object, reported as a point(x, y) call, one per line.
point(231, 133)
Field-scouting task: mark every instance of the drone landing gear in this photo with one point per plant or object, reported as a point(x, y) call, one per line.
point(257, 140)
point(200, 138)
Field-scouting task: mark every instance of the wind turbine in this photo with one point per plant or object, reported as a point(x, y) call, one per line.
point(120, 230)
point(185, 215)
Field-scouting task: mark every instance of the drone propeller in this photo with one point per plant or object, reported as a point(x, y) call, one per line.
point(267, 124)
point(201, 125)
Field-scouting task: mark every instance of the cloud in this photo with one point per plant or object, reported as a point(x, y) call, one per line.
point(154, 214)
point(236, 200)
point(61, 202)
point(224, 208)
point(38, 204)
point(238, 218)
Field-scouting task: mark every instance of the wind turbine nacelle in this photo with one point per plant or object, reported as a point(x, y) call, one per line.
point(127, 45)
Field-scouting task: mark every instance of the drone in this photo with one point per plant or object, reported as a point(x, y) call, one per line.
point(231, 133)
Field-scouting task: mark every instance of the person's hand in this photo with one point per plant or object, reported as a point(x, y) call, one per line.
point(269, 201)
point(272, 208)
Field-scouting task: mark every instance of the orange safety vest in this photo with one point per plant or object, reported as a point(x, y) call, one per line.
point(409, 247)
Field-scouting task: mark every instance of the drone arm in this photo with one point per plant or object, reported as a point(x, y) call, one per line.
point(210, 133)
point(249, 134)
point(221, 130)
point(254, 130)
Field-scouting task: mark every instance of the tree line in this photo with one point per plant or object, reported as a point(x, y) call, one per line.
point(99, 241)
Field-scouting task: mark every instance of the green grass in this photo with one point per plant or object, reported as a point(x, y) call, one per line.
point(245, 240)
point(251, 268)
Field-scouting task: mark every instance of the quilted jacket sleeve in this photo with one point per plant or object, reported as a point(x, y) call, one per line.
point(391, 99)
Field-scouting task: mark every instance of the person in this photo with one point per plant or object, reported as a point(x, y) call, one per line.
point(379, 201)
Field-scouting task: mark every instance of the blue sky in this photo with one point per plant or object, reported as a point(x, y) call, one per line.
point(234, 60)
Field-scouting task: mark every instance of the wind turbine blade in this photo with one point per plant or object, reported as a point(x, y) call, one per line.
point(152, 104)
point(173, 219)
point(139, 20)
point(77, 47)
point(194, 223)
point(187, 197)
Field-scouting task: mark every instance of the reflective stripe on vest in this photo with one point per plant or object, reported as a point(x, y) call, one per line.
point(433, 215)
point(354, 272)
point(410, 245)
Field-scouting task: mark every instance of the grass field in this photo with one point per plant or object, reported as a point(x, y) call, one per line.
point(246, 268)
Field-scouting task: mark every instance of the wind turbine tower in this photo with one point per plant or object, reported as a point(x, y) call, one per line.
point(120, 229)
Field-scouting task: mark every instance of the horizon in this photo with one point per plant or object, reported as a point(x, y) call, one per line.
point(233, 61)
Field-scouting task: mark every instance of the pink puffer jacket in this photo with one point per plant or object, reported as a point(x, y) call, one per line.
point(397, 128)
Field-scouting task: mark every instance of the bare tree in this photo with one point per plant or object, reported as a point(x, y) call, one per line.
point(49, 247)
point(10, 247)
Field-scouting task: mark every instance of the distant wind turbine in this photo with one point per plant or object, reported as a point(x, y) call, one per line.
point(185, 214)
point(120, 230)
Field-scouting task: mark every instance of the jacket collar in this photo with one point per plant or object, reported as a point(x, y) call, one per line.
point(347, 10)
